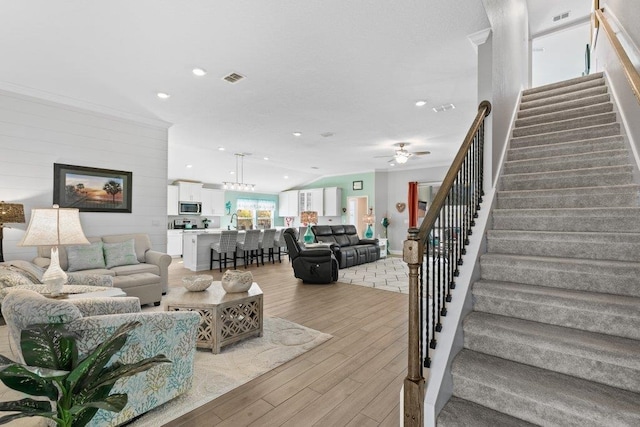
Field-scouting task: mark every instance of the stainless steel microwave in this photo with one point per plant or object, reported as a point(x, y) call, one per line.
point(189, 208)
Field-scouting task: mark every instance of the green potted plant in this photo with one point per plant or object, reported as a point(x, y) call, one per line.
point(79, 388)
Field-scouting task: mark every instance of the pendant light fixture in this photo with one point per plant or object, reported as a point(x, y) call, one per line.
point(239, 185)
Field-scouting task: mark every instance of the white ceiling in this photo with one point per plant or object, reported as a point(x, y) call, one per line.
point(351, 68)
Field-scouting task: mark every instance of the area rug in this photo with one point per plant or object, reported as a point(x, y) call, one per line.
point(216, 374)
point(389, 274)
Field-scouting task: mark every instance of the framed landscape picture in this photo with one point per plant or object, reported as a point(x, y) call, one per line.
point(91, 189)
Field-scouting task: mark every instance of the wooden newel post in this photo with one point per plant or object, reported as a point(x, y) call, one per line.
point(413, 253)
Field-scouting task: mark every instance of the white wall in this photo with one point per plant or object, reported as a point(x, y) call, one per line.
point(397, 192)
point(560, 55)
point(624, 15)
point(35, 134)
point(510, 66)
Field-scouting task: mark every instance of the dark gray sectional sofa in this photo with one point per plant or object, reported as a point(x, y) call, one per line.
point(347, 246)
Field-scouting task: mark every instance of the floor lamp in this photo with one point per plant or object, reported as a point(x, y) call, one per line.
point(9, 213)
point(54, 227)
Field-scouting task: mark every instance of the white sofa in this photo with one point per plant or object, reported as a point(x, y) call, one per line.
point(136, 269)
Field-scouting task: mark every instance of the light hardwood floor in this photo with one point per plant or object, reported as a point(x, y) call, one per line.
point(353, 379)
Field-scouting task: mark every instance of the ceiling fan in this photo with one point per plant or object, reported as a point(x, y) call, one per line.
point(401, 155)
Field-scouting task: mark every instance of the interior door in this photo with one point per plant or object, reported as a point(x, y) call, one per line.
point(358, 207)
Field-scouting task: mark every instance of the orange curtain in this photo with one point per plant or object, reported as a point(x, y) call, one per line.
point(413, 204)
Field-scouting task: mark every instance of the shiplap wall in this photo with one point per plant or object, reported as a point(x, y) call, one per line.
point(35, 134)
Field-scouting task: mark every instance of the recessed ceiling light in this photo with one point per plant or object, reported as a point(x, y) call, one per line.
point(297, 134)
point(421, 103)
point(286, 177)
point(220, 148)
point(189, 166)
point(392, 164)
point(232, 173)
point(266, 158)
point(163, 95)
point(199, 72)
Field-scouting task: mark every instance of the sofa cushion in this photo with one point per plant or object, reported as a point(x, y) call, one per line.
point(10, 278)
point(141, 242)
point(85, 257)
point(353, 239)
point(126, 270)
point(29, 269)
point(337, 229)
point(342, 240)
point(120, 253)
point(133, 280)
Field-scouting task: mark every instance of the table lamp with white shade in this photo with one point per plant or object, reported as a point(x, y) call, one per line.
point(54, 227)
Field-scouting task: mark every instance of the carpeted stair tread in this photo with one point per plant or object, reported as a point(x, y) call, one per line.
point(561, 90)
point(590, 311)
point(568, 161)
point(563, 125)
point(583, 245)
point(584, 197)
point(463, 413)
point(609, 277)
point(573, 178)
point(587, 110)
point(564, 97)
point(613, 219)
point(615, 142)
point(564, 83)
point(541, 396)
point(593, 356)
point(609, 129)
point(562, 106)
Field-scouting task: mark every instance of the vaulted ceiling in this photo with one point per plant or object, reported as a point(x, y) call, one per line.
point(345, 74)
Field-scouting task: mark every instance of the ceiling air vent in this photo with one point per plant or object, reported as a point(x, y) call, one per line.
point(445, 107)
point(233, 77)
point(560, 17)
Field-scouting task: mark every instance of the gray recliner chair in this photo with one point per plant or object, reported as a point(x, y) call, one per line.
point(317, 265)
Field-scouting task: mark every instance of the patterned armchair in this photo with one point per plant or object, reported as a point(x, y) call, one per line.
point(170, 333)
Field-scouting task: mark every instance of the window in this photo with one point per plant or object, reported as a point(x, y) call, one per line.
point(254, 213)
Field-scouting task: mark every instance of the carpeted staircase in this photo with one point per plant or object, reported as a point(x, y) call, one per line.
point(554, 338)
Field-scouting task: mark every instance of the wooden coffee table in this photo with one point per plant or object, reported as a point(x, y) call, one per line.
point(226, 317)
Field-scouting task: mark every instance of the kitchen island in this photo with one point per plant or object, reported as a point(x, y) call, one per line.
point(196, 246)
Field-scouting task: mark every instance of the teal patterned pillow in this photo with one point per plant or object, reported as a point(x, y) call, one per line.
point(85, 257)
point(122, 253)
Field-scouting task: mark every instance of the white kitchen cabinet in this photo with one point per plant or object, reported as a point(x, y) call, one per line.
point(174, 242)
point(212, 202)
point(311, 200)
point(190, 191)
point(172, 200)
point(288, 203)
point(332, 201)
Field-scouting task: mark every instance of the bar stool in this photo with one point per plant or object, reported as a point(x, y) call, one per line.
point(225, 245)
point(249, 247)
point(267, 241)
point(280, 244)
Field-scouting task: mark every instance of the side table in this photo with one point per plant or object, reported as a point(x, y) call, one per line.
point(226, 317)
point(383, 247)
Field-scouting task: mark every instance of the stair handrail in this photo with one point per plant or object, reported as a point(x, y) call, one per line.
point(629, 70)
point(468, 163)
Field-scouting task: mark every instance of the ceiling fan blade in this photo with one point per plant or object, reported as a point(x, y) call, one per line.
point(422, 153)
point(380, 157)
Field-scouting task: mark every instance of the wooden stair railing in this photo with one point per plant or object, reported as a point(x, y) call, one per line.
point(442, 236)
point(629, 70)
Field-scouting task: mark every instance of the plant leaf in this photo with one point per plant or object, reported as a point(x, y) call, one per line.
point(113, 403)
point(32, 380)
point(28, 406)
point(49, 345)
point(85, 373)
point(128, 370)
